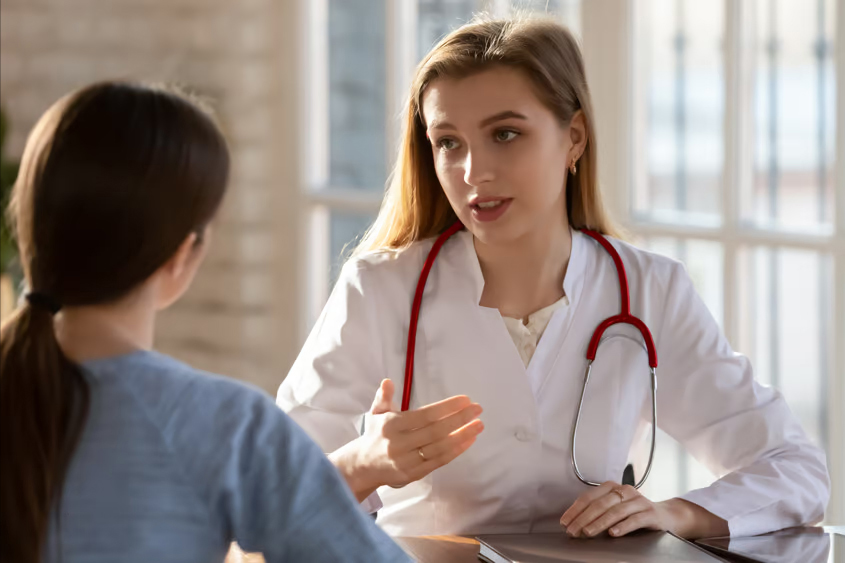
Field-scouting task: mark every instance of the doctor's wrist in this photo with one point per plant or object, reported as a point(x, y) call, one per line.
point(691, 521)
point(346, 460)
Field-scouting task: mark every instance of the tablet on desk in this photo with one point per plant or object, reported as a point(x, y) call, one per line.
point(643, 547)
point(806, 545)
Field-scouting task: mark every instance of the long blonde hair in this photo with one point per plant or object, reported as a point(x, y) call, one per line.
point(415, 206)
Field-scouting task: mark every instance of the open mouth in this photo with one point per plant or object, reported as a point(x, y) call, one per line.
point(490, 209)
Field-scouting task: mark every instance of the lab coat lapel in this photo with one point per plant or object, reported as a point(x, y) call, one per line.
point(550, 347)
point(467, 348)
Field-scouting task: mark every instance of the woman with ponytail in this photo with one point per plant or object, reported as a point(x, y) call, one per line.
point(111, 451)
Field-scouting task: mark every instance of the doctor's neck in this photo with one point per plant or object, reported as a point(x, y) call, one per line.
point(525, 275)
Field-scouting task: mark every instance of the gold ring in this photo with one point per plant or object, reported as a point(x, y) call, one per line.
point(422, 455)
point(619, 492)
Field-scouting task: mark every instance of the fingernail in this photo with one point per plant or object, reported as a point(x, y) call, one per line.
point(614, 531)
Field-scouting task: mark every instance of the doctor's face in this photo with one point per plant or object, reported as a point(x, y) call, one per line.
point(500, 154)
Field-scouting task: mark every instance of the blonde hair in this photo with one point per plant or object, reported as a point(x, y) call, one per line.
point(415, 206)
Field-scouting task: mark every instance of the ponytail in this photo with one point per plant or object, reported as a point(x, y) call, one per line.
point(38, 435)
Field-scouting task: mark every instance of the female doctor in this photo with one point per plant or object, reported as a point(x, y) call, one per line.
point(495, 180)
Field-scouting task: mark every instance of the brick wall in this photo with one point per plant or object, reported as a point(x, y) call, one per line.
point(240, 317)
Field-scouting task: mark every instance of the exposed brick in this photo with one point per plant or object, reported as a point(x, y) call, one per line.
point(238, 290)
point(239, 317)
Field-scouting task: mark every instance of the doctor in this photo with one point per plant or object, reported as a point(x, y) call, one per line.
point(500, 137)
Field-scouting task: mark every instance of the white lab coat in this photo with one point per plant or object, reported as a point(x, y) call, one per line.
point(518, 477)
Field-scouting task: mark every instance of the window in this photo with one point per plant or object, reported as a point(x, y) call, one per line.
point(734, 128)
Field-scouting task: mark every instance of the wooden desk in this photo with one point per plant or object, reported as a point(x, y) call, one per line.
point(440, 549)
point(430, 549)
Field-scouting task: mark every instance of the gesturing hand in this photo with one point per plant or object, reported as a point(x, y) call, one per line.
point(398, 448)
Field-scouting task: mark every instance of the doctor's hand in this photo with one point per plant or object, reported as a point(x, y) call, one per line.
point(398, 448)
point(621, 509)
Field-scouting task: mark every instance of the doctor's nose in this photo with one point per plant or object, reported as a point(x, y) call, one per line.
point(478, 168)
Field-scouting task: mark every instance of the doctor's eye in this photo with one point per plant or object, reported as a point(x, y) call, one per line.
point(506, 135)
point(446, 143)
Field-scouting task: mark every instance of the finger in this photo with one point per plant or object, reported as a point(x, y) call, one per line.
point(443, 427)
point(383, 401)
point(431, 413)
point(595, 510)
point(445, 457)
point(584, 500)
point(442, 449)
point(639, 521)
point(615, 515)
point(437, 455)
point(602, 505)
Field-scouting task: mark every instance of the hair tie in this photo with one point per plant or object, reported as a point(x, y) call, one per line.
point(44, 301)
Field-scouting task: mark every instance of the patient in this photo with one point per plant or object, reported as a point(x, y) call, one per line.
point(112, 451)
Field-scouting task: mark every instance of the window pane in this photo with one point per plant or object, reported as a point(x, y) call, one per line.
point(794, 115)
point(680, 124)
point(357, 94)
point(675, 471)
point(346, 230)
point(567, 12)
point(785, 326)
point(436, 18)
point(537, 6)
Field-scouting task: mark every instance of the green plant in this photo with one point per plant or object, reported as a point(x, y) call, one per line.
point(8, 173)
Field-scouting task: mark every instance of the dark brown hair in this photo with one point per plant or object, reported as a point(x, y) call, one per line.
point(113, 179)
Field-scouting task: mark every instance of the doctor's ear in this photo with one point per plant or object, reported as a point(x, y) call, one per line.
point(578, 134)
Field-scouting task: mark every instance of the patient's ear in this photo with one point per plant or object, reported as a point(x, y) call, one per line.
point(174, 277)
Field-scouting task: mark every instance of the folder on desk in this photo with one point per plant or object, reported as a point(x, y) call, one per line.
point(641, 547)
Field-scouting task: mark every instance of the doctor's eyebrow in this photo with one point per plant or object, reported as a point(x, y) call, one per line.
point(501, 116)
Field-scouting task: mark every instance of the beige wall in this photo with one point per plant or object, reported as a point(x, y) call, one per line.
point(240, 318)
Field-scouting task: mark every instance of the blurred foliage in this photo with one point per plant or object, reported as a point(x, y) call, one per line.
point(8, 173)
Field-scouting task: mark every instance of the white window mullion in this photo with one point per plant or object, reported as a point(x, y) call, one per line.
point(316, 66)
point(314, 129)
point(401, 57)
point(836, 396)
point(738, 129)
point(318, 236)
point(348, 199)
point(637, 189)
point(741, 236)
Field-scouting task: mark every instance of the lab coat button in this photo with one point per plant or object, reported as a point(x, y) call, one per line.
point(522, 435)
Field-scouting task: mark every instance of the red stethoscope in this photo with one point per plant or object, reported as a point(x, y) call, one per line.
point(624, 317)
